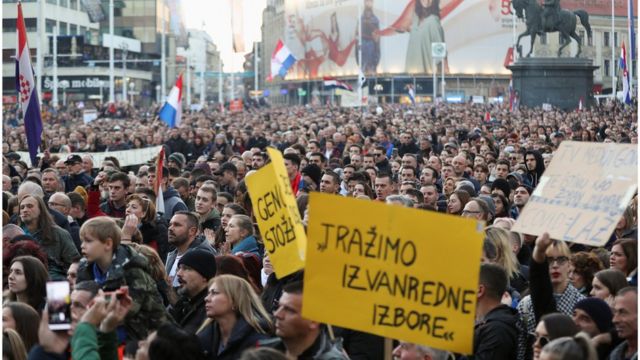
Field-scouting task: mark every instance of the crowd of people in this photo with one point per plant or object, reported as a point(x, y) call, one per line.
point(191, 279)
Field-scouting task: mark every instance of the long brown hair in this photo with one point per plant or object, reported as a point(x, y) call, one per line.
point(27, 320)
point(36, 276)
point(45, 221)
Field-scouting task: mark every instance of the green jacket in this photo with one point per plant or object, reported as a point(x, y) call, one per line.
point(60, 253)
point(130, 268)
point(89, 344)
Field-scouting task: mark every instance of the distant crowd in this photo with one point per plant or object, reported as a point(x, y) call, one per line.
point(191, 278)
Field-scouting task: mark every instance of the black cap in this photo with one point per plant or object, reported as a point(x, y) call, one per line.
point(12, 156)
point(201, 261)
point(72, 159)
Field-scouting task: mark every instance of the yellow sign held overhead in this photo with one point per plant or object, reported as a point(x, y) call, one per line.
point(275, 207)
point(396, 272)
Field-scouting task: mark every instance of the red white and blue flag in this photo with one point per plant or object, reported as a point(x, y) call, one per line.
point(626, 93)
point(333, 83)
point(281, 61)
point(171, 112)
point(27, 92)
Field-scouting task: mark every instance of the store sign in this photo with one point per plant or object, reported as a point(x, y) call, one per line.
point(87, 83)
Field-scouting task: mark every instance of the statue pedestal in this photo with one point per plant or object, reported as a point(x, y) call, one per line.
point(561, 82)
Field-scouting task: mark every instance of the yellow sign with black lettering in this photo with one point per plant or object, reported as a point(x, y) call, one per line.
point(274, 206)
point(396, 272)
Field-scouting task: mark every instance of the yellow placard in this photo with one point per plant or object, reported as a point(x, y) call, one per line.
point(396, 272)
point(275, 207)
point(583, 193)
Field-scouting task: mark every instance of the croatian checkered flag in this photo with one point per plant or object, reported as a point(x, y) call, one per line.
point(27, 92)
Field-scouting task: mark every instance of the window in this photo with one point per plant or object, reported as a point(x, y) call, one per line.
point(48, 25)
point(607, 65)
point(615, 39)
point(63, 28)
point(54, 2)
point(606, 38)
point(73, 29)
point(8, 55)
point(73, 4)
point(543, 39)
point(64, 3)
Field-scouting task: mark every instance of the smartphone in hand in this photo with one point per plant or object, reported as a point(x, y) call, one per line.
point(59, 305)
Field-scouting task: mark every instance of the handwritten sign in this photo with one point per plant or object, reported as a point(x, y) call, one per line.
point(275, 207)
point(396, 272)
point(583, 193)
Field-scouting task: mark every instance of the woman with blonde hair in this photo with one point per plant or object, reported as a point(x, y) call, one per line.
point(236, 320)
point(505, 257)
point(12, 346)
point(578, 347)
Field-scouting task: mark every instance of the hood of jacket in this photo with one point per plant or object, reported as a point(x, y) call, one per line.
point(171, 192)
point(124, 259)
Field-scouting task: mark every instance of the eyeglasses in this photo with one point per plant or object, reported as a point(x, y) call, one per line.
point(560, 260)
point(542, 340)
point(471, 212)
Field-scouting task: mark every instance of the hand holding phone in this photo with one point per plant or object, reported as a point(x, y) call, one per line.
point(59, 305)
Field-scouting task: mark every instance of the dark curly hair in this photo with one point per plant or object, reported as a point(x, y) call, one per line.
point(586, 264)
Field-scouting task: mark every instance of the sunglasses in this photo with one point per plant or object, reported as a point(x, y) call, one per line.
point(542, 340)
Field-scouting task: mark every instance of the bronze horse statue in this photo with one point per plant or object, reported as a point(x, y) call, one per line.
point(532, 12)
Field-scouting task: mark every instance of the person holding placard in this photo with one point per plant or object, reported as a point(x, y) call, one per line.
point(550, 288)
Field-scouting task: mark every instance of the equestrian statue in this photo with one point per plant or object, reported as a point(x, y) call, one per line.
point(550, 18)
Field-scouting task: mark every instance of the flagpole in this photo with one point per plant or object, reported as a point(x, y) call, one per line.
point(630, 26)
point(360, 58)
point(613, 52)
point(163, 57)
point(112, 70)
point(41, 42)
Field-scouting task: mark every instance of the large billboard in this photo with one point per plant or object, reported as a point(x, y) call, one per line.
point(397, 35)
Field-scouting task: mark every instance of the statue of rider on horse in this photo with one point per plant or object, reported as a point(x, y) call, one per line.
point(550, 18)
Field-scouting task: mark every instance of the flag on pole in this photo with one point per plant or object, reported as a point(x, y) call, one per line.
point(171, 112)
point(281, 61)
point(157, 186)
point(333, 83)
point(412, 94)
point(27, 92)
point(361, 78)
point(626, 94)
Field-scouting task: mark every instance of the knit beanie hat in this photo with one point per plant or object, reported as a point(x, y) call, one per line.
point(314, 172)
point(599, 311)
point(201, 261)
point(503, 185)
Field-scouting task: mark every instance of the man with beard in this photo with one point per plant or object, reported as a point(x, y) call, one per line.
point(183, 230)
point(195, 269)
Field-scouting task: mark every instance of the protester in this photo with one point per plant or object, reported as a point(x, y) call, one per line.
point(112, 265)
point(24, 320)
point(240, 236)
point(27, 282)
point(607, 283)
point(195, 269)
point(239, 319)
point(569, 348)
point(625, 320)
point(141, 215)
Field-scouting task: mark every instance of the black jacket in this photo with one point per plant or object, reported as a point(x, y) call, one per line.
point(242, 337)
point(189, 313)
point(72, 181)
point(156, 233)
point(360, 345)
point(496, 337)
